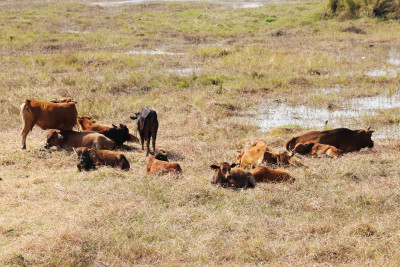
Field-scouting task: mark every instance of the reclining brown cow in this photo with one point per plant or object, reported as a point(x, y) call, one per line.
point(263, 174)
point(342, 138)
point(89, 158)
point(47, 115)
point(69, 139)
point(227, 176)
point(158, 164)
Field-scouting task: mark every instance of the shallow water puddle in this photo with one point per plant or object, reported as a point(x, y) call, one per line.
point(74, 31)
point(394, 56)
point(184, 71)
point(151, 52)
point(389, 73)
point(234, 4)
point(272, 115)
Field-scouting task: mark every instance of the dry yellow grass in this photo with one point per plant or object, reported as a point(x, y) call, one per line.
point(338, 212)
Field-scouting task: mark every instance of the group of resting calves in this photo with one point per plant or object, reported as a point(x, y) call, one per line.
point(315, 143)
point(93, 144)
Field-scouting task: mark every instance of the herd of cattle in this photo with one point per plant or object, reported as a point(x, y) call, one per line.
point(93, 144)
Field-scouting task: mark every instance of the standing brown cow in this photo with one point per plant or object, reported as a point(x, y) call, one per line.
point(47, 115)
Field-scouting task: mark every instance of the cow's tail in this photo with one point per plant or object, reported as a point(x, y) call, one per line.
point(25, 106)
point(291, 144)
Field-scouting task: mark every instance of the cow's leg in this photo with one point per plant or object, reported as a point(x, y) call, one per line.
point(24, 133)
point(154, 143)
point(142, 140)
point(148, 146)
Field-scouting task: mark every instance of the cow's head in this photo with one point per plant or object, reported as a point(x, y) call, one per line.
point(284, 156)
point(221, 173)
point(270, 157)
point(365, 136)
point(54, 138)
point(161, 155)
point(239, 156)
point(85, 122)
point(118, 134)
point(135, 117)
point(85, 160)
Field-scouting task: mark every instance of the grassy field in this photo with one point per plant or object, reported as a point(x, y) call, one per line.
point(198, 65)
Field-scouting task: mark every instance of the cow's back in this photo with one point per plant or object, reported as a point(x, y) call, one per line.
point(47, 115)
point(86, 139)
point(147, 122)
point(341, 138)
point(254, 155)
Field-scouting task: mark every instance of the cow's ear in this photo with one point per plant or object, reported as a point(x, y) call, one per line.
point(214, 167)
point(233, 165)
point(370, 131)
point(123, 126)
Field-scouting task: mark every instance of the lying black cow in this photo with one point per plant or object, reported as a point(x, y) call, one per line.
point(147, 125)
point(118, 134)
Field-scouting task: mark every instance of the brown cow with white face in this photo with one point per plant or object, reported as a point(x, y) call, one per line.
point(342, 138)
point(227, 176)
point(47, 115)
point(69, 139)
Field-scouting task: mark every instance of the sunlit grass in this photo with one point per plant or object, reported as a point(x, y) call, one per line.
point(342, 211)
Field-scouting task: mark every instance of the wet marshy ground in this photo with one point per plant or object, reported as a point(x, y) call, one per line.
point(350, 114)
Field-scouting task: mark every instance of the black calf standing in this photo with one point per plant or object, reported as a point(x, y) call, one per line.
point(147, 125)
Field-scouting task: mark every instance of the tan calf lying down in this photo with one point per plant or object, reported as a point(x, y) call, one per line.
point(158, 164)
point(317, 149)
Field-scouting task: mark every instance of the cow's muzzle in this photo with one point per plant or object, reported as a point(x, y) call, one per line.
point(47, 146)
